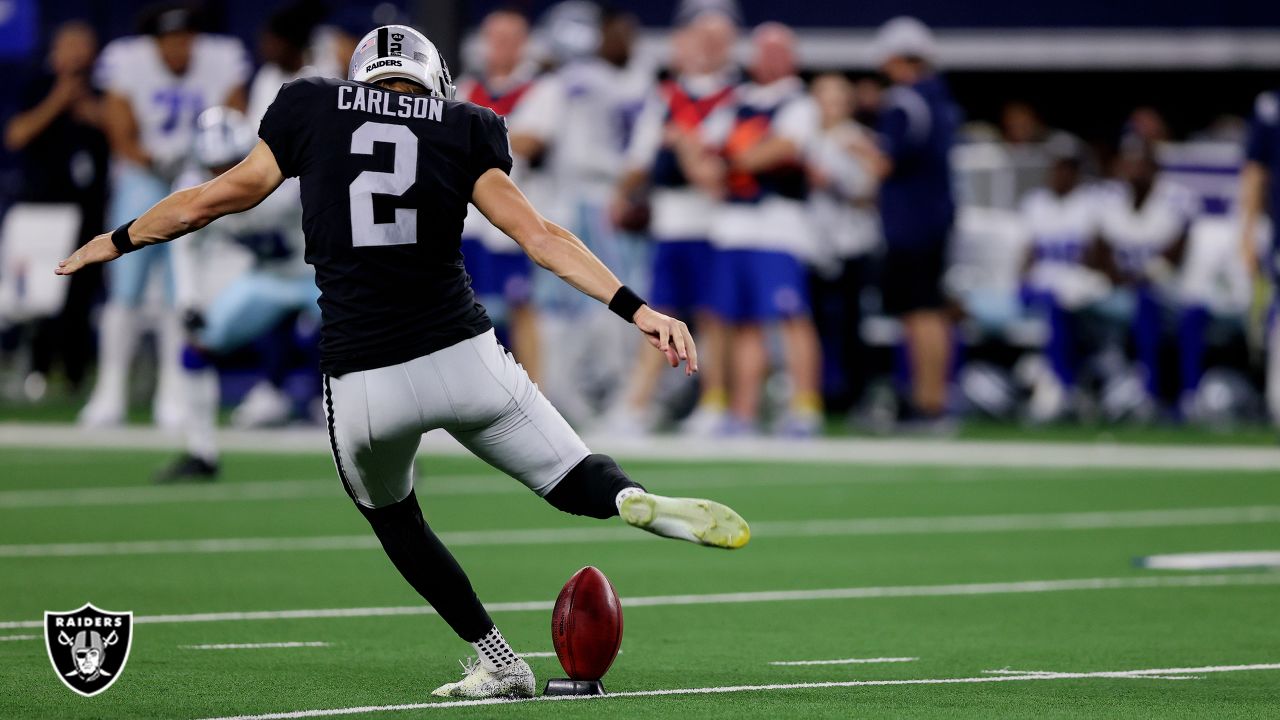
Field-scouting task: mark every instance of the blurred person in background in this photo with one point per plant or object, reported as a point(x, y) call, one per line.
point(156, 84)
point(1143, 222)
point(680, 214)
point(1260, 196)
point(283, 45)
point(917, 127)
point(57, 135)
point(278, 285)
point(761, 232)
point(1020, 124)
point(509, 84)
point(847, 232)
point(601, 85)
point(1061, 220)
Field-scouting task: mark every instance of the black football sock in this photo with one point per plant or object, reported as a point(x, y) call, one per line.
point(428, 566)
point(591, 488)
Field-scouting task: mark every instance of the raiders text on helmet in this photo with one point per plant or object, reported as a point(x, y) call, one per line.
point(400, 52)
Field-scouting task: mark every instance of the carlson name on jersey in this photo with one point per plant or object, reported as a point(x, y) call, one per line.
point(379, 102)
point(386, 178)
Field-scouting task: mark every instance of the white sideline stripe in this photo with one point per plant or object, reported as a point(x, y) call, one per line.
point(19, 637)
point(864, 451)
point(1140, 582)
point(1187, 517)
point(257, 646)
point(1212, 560)
point(845, 661)
point(238, 491)
point(1122, 674)
point(540, 654)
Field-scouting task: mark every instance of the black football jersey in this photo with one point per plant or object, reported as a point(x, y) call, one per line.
point(386, 178)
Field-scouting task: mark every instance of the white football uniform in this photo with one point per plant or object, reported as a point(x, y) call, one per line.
point(1138, 235)
point(769, 219)
point(678, 211)
point(165, 105)
point(1060, 229)
point(600, 100)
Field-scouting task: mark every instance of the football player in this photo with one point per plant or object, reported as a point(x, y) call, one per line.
point(277, 285)
point(1061, 220)
point(1144, 220)
point(510, 86)
point(1259, 189)
point(387, 163)
point(680, 213)
point(156, 84)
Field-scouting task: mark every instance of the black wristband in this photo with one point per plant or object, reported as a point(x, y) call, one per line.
point(120, 238)
point(625, 303)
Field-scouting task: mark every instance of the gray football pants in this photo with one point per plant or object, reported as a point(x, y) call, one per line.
point(475, 391)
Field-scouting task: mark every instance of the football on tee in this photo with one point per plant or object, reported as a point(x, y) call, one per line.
point(586, 625)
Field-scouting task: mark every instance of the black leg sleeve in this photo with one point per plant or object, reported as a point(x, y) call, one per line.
point(591, 487)
point(428, 566)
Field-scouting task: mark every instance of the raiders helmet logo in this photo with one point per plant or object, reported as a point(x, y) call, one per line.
point(88, 647)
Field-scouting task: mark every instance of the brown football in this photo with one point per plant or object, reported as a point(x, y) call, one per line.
point(586, 625)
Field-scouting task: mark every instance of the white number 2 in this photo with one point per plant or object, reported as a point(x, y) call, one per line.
point(364, 231)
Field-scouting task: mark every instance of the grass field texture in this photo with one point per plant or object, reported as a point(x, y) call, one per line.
point(969, 592)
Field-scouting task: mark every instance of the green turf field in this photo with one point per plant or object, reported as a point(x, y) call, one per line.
point(955, 573)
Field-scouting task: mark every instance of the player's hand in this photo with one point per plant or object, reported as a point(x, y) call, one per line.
point(98, 250)
point(670, 336)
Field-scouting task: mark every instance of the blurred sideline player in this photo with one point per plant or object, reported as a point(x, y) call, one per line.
point(917, 210)
point(156, 84)
point(602, 85)
point(278, 285)
point(1061, 220)
point(681, 214)
point(283, 45)
point(846, 231)
point(406, 349)
point(762, 232)
point(509, 85)
point(1144, 222)
point(1259, 191)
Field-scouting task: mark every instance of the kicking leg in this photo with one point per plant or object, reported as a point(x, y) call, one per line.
point(374, 433)
point(519, 432)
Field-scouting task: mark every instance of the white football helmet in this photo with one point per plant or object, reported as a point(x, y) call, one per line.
point(399, 51)
point(223, 137)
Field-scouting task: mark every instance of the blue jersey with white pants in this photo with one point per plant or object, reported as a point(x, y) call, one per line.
point(761, 231)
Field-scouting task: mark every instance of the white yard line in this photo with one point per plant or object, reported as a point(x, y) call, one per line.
point(1123, 674)
point(1143, 582)
point(1212, 560)
point(258, 646)
point(845, 661)
point(867, 451)
point(1186, 517)
point(545, 654)
point(4, 638)
point(236, 491)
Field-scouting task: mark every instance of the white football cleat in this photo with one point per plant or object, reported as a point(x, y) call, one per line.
point(704, 522)
point(513, 681)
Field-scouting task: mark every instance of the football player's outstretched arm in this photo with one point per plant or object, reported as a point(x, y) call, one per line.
point(559, 251)
point(236, 190)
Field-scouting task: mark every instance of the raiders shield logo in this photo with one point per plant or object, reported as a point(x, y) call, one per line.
point(88, 647)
